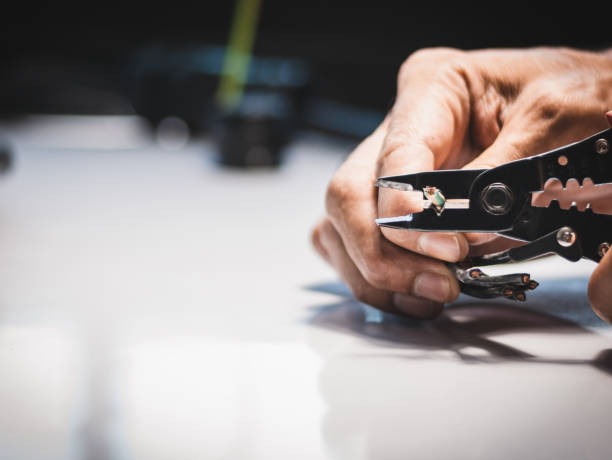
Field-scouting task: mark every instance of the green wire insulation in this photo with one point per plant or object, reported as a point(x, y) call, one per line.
point(238, 54)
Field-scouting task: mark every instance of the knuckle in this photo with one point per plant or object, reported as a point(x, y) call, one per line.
point(337, 193)
point(394, 141)
point(435, 56)
point(548, 106)
point(376, 273)
point(564, 104)
point(547, 100)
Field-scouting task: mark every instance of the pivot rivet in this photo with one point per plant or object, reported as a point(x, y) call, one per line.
point(601, 146)
point(497, 198)
point(566, 237)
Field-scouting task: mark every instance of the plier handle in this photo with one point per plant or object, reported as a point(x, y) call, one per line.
point(499, 200)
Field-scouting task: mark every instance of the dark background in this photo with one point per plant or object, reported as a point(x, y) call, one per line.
point(352, 48)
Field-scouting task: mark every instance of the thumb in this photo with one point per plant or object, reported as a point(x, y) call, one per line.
point(600, 285)
point(510, 144)
point(503, 150)
point(600, 288)
point(422, 133)
point(524, 136)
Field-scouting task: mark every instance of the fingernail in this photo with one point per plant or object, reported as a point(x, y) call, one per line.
point(432, 286)
point(439, 246)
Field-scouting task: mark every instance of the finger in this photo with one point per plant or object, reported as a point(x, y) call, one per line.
point(522, 136)
point(315, 239)
point(362, 290)
point(331, 241)
point(427, 126)
point(600, 288)
point(351, 206)
point(496, 244)
point(508, 146)
point(600, 283)
point(477, 239)
point(430, 116)
point(539, 122)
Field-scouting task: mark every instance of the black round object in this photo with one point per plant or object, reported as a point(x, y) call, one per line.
point(497, 198)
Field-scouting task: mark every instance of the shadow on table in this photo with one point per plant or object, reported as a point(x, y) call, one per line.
point(559, 307)
point(455, 387)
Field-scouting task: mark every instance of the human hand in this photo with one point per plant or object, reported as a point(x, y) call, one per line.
point(600, 283)
point(454, 109)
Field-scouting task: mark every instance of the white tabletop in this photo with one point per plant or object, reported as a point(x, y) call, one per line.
point(155, 306)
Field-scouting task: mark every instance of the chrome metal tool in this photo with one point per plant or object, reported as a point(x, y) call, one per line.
point(499, 200)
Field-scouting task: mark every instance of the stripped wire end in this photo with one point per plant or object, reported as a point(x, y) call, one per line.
point(436, 198)
point(474, 282)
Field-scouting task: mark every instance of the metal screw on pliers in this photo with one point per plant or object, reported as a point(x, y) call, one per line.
point(601, 146)
point(566, 237)
point(497, 199)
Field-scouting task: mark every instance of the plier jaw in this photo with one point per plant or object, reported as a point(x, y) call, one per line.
point(499, 200)
point(456, 183)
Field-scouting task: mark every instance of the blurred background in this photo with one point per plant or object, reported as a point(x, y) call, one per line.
point(159, 298)
point(250, 74)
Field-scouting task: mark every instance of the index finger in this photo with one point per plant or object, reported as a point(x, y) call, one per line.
point(428, 125)
point(351, 206)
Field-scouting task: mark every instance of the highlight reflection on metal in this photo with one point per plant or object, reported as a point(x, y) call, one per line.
point(390, 220)
point(383, 183)
point(450, 204)
point(500, 200)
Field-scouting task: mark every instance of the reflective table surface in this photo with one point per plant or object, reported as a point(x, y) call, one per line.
point(156, 306)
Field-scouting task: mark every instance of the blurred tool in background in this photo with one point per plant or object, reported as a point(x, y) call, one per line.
point(251, 123)
point(251, 106)
point(248, 74)
point(254, 124)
